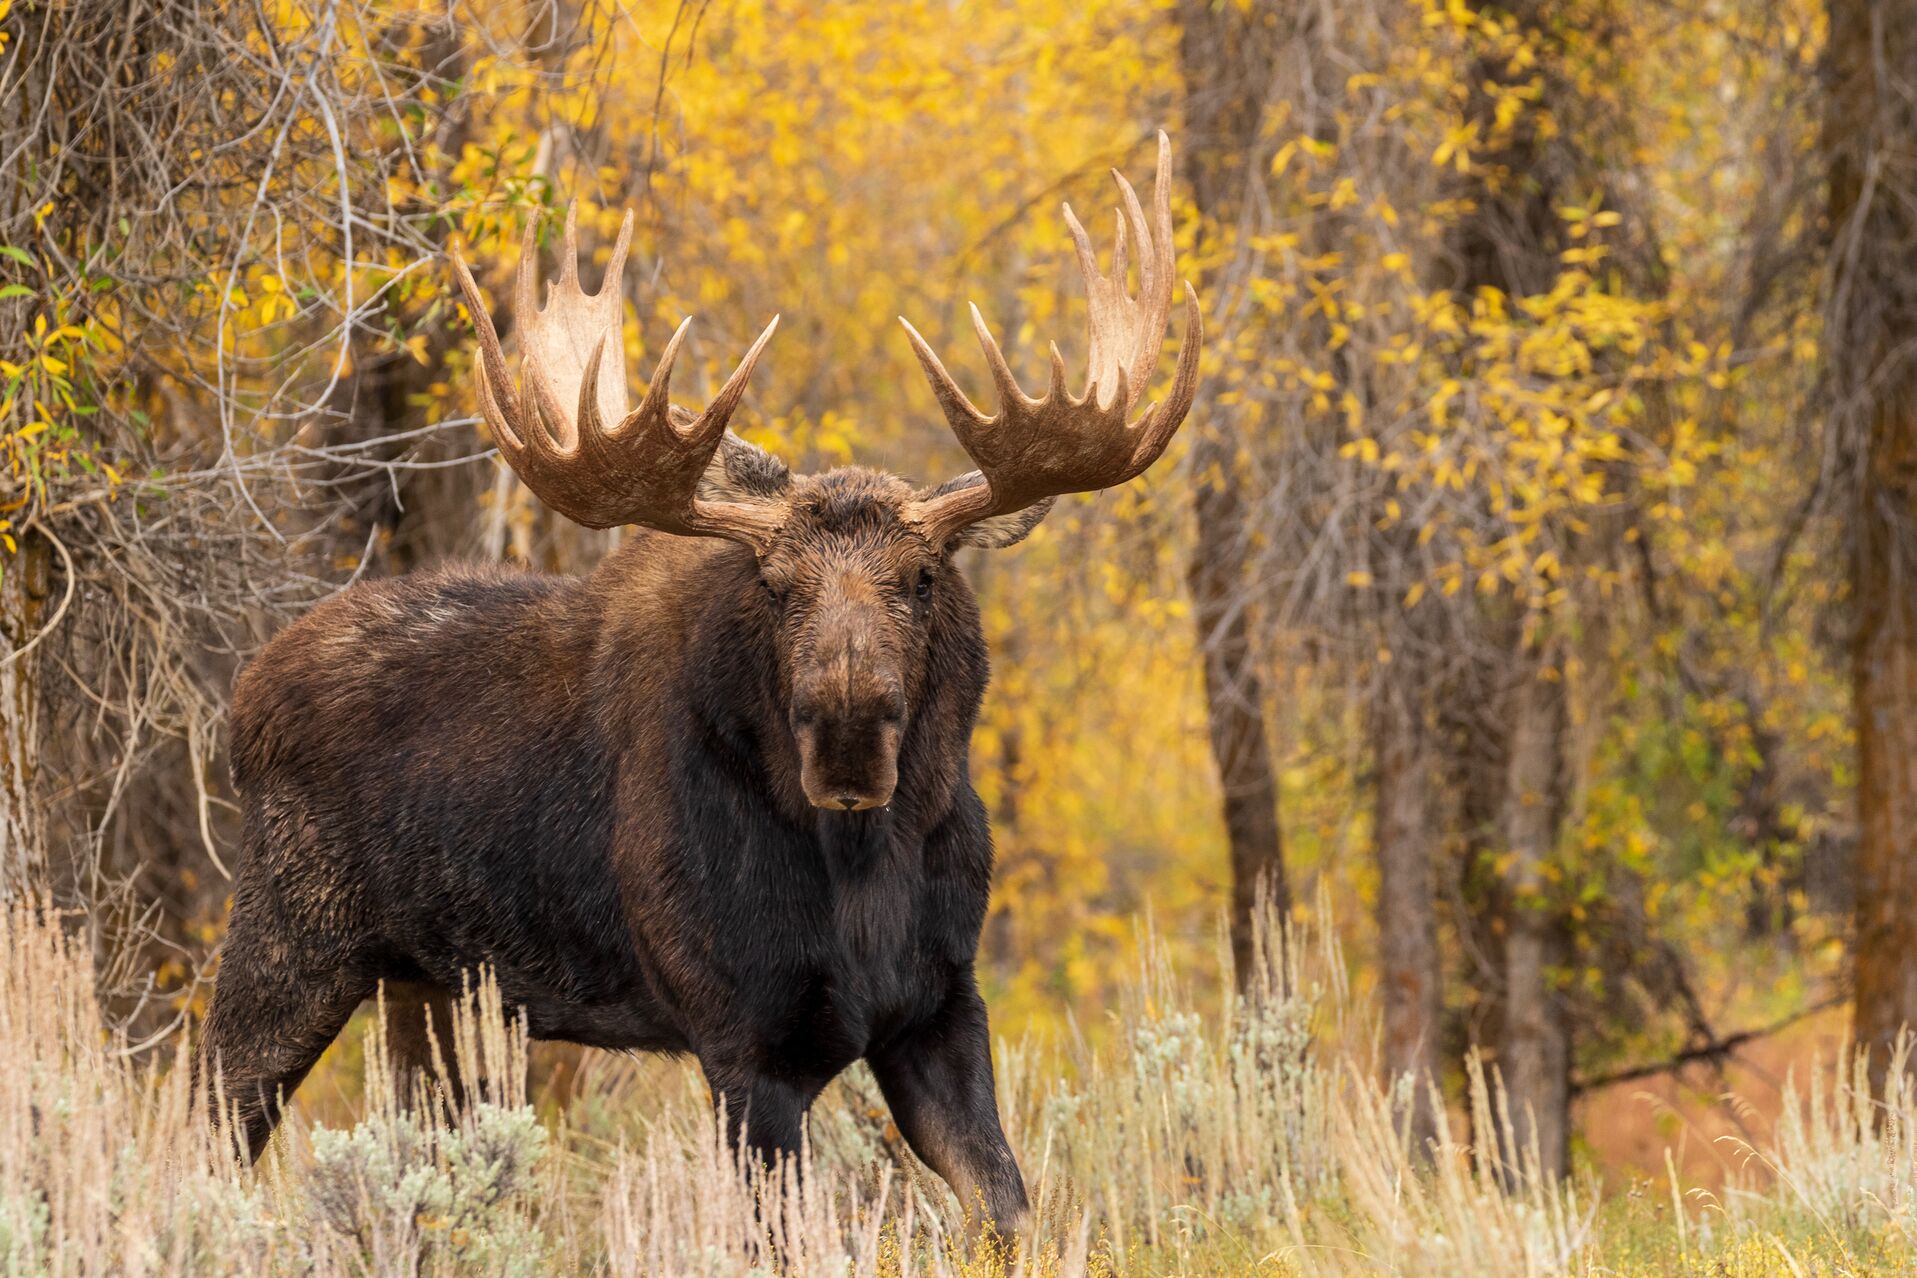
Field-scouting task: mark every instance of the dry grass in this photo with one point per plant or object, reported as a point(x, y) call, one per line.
point(1247, 1143)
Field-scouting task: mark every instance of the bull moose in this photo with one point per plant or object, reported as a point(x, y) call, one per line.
point(710, 798)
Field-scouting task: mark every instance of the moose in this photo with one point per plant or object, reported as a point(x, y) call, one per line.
point(711, 798)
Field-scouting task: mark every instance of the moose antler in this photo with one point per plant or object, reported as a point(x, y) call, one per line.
point(1039, 448)
point(642, 469)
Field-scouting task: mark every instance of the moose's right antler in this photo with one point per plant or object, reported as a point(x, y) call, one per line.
point(644, 468)
point(1034, 449)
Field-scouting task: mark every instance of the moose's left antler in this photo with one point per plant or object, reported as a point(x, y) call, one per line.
point(566, 430)
point(1039, 448)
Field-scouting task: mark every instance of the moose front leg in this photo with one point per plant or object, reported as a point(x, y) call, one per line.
point(938, 1081)
point(763, 1113)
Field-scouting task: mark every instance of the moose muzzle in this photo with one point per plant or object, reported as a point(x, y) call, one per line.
point(850, 763)
point(848, 717)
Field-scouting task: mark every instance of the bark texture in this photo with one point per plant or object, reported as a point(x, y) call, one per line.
point(1534, 1054)
point(1511, 242)
point(1227, 56)
point(1410, 973)
point(1870, 141)
point(25, 589)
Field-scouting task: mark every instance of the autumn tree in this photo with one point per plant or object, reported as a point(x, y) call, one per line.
point(1870, 345)
point(174, 314)
point(1460, 367)
point(1509, 242)
point(1229, 54)
point(1547, 139)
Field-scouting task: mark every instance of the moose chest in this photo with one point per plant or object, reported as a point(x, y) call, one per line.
point(809, 948)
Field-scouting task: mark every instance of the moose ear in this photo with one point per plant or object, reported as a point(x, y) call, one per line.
point(999, 531)
point(743, 472)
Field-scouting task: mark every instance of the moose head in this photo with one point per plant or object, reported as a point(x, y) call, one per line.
point(852, 561)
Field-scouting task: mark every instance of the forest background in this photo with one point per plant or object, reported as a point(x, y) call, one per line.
point(1527, 601)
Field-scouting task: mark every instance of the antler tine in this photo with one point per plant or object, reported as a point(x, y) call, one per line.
point(1162, 420)
point(566, 430)
point(959, 411)
point(568, 253)
point(719, 412)
point(1033, 449)
point(659, 389)
point(1156, 269)
point(498, 402)
point(1009, 390)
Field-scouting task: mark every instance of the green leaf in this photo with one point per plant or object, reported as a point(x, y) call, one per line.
point(15, 290)
point(19, 255)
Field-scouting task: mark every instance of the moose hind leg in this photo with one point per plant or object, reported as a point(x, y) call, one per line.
point(419, 1017)
point(275, 1010)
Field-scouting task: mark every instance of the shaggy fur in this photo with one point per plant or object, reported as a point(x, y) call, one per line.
point(607, 790)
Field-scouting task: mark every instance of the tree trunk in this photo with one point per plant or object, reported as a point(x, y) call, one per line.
point(1226, 52)
point(1407, 925)
point(1511, 242)
point(1884, 691)
point(1534, 1052)
point(24, 593)
point(1870, 144)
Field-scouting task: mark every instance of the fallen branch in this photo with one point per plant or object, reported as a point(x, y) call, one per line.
point(1714, 1051)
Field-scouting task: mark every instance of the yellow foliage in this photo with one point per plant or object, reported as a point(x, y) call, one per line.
point(846, 164)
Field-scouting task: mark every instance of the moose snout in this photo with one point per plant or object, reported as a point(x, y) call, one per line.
point(849, 747)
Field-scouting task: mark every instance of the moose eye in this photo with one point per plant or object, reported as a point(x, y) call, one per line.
point(924, 587)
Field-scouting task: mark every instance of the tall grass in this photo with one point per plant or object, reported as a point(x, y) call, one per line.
point(1252, 1141)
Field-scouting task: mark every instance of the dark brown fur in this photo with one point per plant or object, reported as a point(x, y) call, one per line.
point(630, 796)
